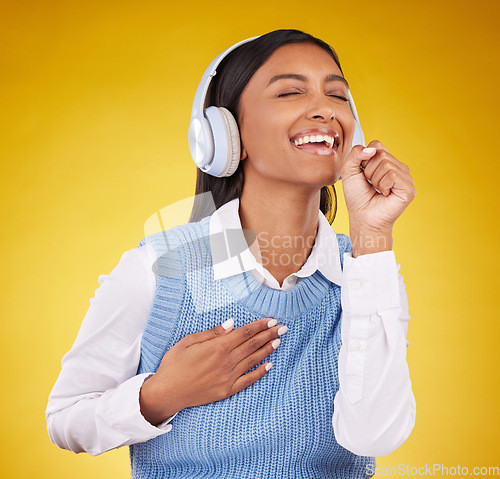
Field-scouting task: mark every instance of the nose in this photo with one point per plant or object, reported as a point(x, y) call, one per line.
point(322, 108)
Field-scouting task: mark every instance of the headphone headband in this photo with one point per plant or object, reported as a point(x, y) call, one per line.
point(210, 72)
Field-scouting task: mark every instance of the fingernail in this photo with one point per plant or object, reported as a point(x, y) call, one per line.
point(282, 330)
point(276, 343)
point(272, 323)
point(227, 324)
point(369, 150)
point(268, 366)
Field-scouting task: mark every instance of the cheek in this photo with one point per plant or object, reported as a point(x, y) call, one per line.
point(249, 135)
point(258, 135)
point(348, 126)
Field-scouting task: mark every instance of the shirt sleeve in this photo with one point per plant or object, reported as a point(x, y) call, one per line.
point(374, 408)
point(94, 405)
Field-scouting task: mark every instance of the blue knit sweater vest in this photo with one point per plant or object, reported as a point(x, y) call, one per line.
point(281, 426)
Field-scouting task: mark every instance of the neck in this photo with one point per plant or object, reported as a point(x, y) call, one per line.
point(285, 222)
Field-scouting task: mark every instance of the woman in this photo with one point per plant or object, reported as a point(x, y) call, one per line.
point(173, 357)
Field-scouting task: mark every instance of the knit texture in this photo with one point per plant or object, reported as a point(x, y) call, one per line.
point(281, 426)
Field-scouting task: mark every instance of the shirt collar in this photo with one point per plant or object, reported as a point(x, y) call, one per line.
point(231, 255)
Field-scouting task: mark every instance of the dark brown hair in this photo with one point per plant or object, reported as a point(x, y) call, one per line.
point(233, 74)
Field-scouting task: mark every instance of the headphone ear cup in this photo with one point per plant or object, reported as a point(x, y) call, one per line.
point(233, 137)
point(226, 156)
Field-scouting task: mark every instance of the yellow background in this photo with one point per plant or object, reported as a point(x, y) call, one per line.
point(95, 103)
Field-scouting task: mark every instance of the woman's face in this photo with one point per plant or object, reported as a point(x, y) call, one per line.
point(295, 122)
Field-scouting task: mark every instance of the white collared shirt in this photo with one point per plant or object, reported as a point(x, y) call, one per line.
point(94, 405)
point(324, 255)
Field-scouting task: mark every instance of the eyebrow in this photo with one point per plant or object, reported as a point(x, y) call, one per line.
point(295, 76)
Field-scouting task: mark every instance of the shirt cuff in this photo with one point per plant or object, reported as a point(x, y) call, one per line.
point(370, 283)
point(125, 415)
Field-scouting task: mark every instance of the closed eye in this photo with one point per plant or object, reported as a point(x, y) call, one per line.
point(339, 97)
point(281, 95)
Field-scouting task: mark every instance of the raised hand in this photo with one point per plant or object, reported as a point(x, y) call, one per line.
point(377, 189)
point(209, 366)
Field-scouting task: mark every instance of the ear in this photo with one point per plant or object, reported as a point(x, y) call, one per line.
point(244, 154)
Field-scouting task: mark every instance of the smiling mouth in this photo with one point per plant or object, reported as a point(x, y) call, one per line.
point(316, 142)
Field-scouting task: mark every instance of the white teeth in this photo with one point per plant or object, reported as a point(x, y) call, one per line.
point(329, 140)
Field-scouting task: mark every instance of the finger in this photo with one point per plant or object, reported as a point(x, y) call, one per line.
point(377, 168)
point(248, 379)
point(352, 164)
point(388, 176)
point(256, 342)
point(382, 155)
point(397, 184)
point(244, 333)
point(250, 361)
point(376, 144)
point(218, 331)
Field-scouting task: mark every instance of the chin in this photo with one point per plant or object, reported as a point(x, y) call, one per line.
point(325, 179)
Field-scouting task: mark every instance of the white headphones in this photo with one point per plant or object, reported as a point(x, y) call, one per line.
point(214, 138)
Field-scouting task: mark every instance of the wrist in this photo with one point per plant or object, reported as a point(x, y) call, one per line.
point(152, 402)
point(368, 241)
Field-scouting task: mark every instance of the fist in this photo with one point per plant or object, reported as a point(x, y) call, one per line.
point(377, 187)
